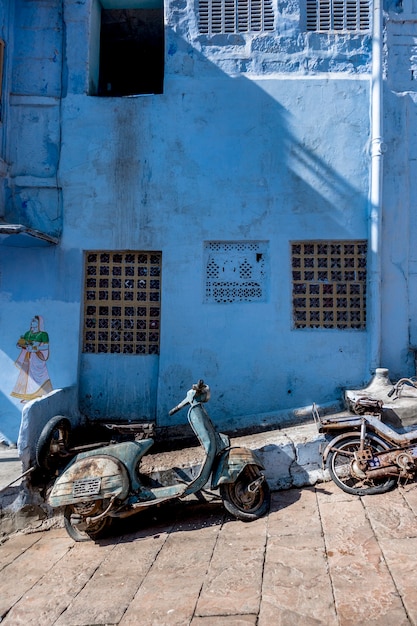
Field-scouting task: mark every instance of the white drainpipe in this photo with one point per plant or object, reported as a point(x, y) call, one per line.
point(375, 195)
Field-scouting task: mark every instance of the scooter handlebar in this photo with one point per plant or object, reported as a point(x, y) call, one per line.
point(179, 406)
point(201, 390)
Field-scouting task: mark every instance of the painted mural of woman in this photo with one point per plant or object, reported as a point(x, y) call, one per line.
point(33, 380)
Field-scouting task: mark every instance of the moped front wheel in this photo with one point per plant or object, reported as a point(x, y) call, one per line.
point(249, 497)
point(51, 448)
point(75, 521)
point(345, 472)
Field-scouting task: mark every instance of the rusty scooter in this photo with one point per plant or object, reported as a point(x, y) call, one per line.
point(364, 455)
point(105, 483)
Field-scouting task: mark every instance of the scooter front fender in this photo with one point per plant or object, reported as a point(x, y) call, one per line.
point(230, 463)
point(95, 477)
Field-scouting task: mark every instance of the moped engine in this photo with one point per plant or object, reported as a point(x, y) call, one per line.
point(400, 462)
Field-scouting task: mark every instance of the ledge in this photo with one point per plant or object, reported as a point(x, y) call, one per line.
point(28, 237)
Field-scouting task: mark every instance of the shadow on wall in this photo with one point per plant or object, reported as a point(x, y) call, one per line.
point(241, 158)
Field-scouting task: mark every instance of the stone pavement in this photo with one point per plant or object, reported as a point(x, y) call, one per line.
point(320, 557)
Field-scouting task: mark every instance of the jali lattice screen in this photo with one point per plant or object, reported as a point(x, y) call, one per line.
point(329, 284)
point(122, 309)
point(236, 271)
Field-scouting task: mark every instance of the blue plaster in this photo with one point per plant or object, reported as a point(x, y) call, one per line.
point(261, 137)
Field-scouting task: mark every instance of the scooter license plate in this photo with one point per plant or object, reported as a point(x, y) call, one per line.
point(86, 487)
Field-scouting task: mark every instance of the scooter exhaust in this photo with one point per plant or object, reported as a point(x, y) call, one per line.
point(391, 470)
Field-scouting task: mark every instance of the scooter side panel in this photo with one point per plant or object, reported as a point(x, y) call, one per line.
point(231, 463)
point(93, 478)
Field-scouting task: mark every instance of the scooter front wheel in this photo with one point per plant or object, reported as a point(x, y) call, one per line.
point(343, 472)
point(249, 497)
point(75, 521)
point(51, 448)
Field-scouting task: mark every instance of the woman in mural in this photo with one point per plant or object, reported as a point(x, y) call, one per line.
point(33, 380)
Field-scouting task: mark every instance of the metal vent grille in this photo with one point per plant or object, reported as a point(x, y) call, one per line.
point(339, 16)
point(235, 271)
point(329, 284)
point(235, 16)
point(122, 309)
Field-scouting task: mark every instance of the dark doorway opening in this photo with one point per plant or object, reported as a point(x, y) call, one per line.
point(131, 52)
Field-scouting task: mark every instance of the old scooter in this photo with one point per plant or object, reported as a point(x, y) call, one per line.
point(364, 455)
point(105, 483)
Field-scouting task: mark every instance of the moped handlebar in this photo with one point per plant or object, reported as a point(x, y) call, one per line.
point(200, 389)
point(178, 407)
point(403, 381)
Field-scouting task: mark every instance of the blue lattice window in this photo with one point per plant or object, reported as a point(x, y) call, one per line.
point(338, 16)
point(235, 16)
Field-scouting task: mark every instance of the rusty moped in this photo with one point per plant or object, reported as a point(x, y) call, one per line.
point(364, 455)
point(105, 483)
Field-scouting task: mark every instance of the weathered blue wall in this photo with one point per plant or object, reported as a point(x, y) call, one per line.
point(262, 138)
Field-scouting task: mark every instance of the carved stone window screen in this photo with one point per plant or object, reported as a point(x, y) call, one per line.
point(236, 271)
point(122, 302)
point(217, 17)
point(338, 16)
point(329, 284)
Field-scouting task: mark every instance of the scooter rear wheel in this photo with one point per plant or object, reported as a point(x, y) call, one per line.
point(242, 502)
point(81, 531)
point(342, 472)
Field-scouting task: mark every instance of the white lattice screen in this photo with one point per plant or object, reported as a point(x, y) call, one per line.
point(236, 271)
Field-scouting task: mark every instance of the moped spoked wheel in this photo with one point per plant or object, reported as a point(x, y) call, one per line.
point(347, 475)
point(51, 448)
point(75, 521)
point(244, 498)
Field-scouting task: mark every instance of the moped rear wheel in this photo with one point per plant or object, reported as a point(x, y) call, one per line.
point(249, 497)
point(343, 472)
point(75, 516)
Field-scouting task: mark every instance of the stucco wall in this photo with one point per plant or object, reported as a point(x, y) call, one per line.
point(254, 139)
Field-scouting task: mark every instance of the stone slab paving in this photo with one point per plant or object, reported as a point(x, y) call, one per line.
point(320, 557)
point(10, 466)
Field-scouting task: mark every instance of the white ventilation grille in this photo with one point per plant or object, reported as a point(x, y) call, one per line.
point(235, 16)
point(339, 16)
point(236, 271)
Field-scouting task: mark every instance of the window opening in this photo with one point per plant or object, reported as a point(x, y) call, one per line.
point(131, 52)
point(329, 284)
point(235, 16)
point(339, 16)
point(122, 309)
point(235, 271)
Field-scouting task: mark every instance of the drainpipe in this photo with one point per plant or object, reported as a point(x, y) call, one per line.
point(375, 195)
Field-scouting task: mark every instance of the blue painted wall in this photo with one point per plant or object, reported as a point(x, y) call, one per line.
point(262, 138)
